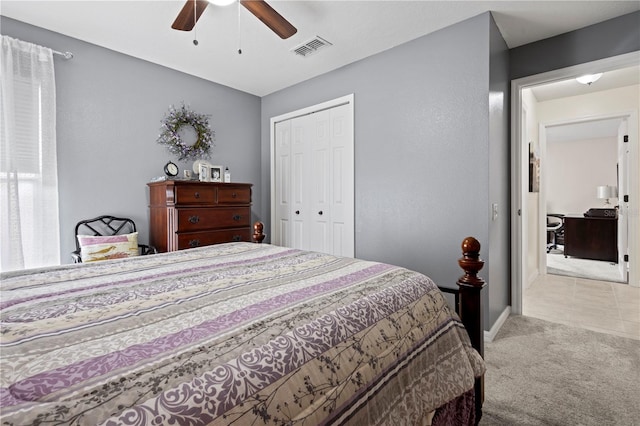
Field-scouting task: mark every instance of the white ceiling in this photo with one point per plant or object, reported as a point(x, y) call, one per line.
point(356, 29)
point(579, 131)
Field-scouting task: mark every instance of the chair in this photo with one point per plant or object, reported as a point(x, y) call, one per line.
point(555, 231)
point(106, 226)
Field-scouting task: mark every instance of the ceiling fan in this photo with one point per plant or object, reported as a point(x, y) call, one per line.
point(192, 10)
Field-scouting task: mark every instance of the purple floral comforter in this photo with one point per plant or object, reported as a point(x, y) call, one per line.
point(233, 334)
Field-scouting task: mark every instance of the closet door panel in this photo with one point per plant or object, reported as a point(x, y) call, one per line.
point(321, 182)
point(301, 131)
point(342, 182)
point(283, 183)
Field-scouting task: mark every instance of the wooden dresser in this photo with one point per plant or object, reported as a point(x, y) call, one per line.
point(186, 214)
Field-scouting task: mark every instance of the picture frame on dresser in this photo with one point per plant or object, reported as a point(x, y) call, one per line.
point(204, 173)
point(216, 173)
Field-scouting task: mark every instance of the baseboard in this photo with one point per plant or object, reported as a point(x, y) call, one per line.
point(491, 334)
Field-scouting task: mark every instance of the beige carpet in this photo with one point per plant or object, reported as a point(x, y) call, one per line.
point(542, 373)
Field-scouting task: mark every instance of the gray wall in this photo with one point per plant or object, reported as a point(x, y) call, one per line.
point(422, 116)
point(499, 175)
point(607, 39)
point(109, 108)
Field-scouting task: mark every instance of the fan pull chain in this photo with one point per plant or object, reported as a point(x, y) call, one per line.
point(239, 32)
point(195, 20)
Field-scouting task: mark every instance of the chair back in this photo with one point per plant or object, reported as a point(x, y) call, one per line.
point(104, 226)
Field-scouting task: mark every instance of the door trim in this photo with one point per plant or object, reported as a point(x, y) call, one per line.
point(518, 168)
point(542, 140)
point(344, 100)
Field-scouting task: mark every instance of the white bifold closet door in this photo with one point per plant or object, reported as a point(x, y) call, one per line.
point(314, 182)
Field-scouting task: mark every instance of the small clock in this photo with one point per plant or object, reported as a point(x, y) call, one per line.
point(171, 169)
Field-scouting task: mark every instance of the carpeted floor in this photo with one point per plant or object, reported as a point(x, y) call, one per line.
point(557, 264)
point(542, 373)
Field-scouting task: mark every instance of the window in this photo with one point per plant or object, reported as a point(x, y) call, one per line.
point(29, 226)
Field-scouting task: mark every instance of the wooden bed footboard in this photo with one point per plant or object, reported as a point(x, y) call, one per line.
point(468, 300)
point(469, 306)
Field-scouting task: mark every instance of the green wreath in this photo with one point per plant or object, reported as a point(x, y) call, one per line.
point(170, 134)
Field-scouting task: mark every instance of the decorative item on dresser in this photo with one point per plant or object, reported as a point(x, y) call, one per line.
point(216, 173)
point(171, 169)
point(187, 214)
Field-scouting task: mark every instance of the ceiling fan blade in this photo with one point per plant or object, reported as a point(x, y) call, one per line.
point(189, 14)
point(270, 17)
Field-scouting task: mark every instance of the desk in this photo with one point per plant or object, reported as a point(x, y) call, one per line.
point(591, 237)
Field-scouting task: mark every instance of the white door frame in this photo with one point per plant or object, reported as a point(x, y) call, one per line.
point(344, 100)
point(542, 143)
point(519, 166)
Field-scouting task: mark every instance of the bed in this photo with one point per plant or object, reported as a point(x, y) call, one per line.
point(236, 334)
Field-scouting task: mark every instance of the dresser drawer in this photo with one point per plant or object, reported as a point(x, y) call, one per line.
point(198, 239)
point(234, 195)
point(195, 194)
point(198, 219)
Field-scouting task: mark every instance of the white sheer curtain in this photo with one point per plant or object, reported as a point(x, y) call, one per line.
point(29, 226)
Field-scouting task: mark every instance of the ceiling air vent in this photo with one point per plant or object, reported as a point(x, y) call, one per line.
point(310, 47)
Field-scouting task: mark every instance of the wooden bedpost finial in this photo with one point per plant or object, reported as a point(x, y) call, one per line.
point(258, 235)
point(471, 263)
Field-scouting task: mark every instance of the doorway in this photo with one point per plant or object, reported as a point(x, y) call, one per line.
point(584, 156)
point(521, 239)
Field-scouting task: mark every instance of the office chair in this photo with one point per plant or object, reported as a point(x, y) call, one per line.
point(555, 231)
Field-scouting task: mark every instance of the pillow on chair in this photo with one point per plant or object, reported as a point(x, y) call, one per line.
point(94, 248)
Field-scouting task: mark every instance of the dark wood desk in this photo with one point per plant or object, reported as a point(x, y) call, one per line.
point(591, 237)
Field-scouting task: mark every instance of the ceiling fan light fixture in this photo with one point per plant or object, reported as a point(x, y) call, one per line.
point(222, 2)
point(589, 78)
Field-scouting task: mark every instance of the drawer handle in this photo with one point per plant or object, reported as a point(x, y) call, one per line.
point(236, 238)
point(194, 243)
point(320, 212)
point(197, 194)
point(234, 195)
point(237, 217)
point(194, 219)
point(297, 211)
